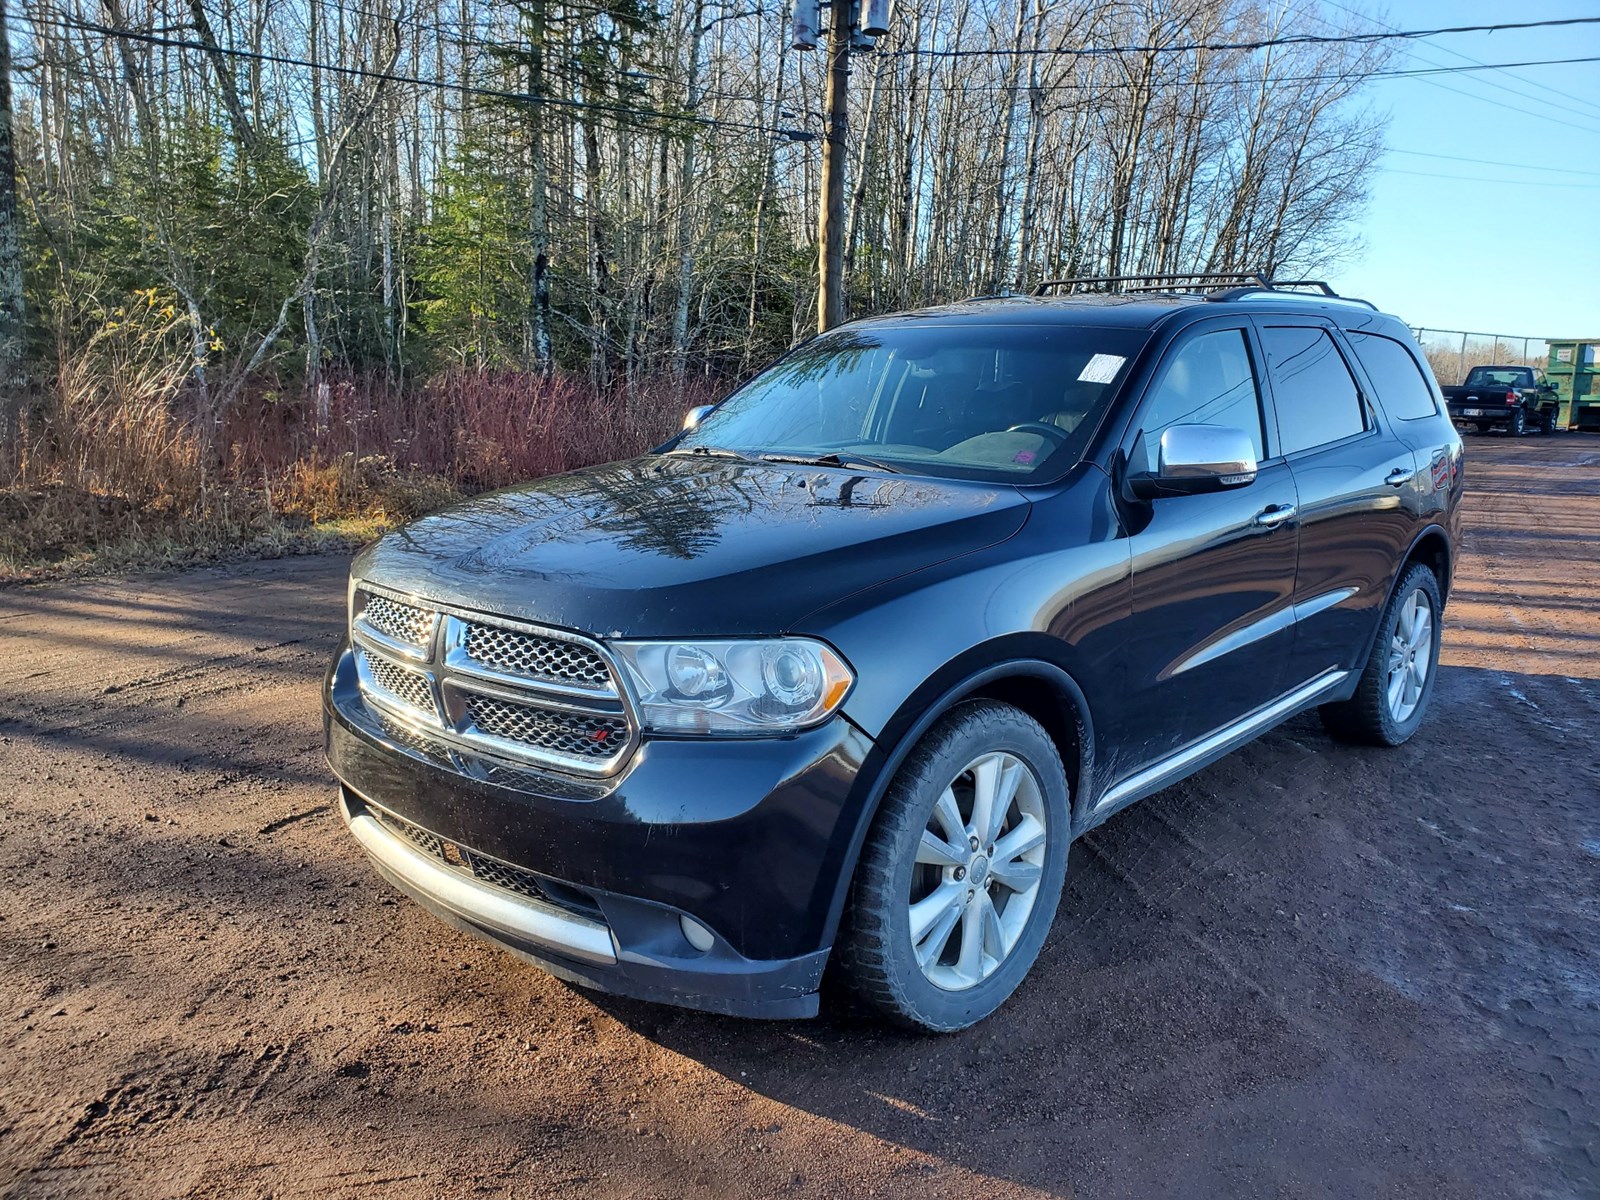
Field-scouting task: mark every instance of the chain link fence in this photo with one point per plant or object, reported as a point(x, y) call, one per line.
point(1453, 352)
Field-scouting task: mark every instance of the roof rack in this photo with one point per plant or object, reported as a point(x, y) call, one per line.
point(1213, 285)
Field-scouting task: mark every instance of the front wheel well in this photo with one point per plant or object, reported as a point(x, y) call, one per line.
point(1045, 703)
point(1034, 685)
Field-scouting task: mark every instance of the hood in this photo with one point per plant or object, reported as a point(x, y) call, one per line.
point(673, 545)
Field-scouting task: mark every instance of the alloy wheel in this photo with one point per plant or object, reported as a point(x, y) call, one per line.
point(977, 871)
point(1410, 655)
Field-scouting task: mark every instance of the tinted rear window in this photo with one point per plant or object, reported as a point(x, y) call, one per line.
point(1509, 377)
point(1317, 398)
point(1405, 393)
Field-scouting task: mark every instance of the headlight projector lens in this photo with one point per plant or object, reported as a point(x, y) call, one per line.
point(733, 687)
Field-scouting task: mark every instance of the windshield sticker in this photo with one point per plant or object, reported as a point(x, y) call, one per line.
point(1102, 368)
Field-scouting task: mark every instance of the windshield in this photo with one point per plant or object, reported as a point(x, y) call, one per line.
point(995, 402)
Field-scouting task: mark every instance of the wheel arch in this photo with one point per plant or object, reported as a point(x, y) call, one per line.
point(1020, 671)
point(1432, 549)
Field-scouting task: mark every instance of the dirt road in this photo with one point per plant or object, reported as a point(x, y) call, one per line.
point(1309, 971)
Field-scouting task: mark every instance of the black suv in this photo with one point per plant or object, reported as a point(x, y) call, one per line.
point(840, 672)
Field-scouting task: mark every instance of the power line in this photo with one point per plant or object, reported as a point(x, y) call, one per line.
point(154, 39)
point(1296, 39)
point(1246, 81)
point(717, 122)
point(1482, 179)
point(1418, 72)
point(1489, 162)
point(1503, 69)
point(1516, 108)
point(1493, 101)
point(1468, 58)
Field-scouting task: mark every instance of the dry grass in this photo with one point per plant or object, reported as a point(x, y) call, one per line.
point(124, 465)
point(57, 532)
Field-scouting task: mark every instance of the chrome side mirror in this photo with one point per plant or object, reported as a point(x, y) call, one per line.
point(1193, 459)
point(696, 415)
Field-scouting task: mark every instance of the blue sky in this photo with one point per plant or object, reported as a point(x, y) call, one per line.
point(1519, 255)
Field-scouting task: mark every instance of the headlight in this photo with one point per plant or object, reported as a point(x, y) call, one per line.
point(774, 685)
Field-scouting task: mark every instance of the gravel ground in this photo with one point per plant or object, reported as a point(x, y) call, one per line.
point(1309, 971)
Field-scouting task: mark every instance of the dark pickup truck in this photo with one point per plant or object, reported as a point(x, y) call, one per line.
point(1516, 398)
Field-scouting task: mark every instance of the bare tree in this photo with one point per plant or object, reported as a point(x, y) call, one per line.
point(12, 332)
point(665, 191)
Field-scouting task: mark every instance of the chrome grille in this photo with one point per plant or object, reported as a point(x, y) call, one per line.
point(402, 622)
point(540, 782)
point(515, 653)
point(401, 684)
point(575, 734)
point(428, 843)
point(504, 875)
point(415, 742)
point(490, 687)
point(485, 868)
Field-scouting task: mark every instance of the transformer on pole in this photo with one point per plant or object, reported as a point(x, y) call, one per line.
point(807, 24)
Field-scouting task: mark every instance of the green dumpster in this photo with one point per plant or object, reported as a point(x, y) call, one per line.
point(1575, 372)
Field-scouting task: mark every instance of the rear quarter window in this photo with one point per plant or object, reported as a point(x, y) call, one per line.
point(1403, 390)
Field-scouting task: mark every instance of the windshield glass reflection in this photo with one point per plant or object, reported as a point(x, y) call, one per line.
point(994, 402)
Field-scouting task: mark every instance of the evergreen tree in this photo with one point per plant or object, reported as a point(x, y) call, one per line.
point(474, 259)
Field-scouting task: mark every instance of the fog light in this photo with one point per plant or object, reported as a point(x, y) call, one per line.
point(701, 938)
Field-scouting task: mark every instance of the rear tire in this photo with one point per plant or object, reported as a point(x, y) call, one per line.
point(1397, 682)
point(1518, 425)
point(931, 938)
point(1481, 428)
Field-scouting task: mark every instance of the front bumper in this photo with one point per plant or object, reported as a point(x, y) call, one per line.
point(751, 839)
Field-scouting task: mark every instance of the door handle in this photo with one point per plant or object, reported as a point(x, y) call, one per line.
point(1400, 476)
point(1271, 518)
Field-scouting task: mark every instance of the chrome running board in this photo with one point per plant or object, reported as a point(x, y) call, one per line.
point(1176, 765)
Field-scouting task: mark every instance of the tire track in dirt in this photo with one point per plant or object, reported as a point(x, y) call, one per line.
point(1308, 970)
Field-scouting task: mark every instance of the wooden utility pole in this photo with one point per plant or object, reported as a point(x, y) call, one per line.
point(830, 216)
point(688, 181)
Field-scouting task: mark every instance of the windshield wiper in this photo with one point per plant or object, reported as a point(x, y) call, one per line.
point(713, 452)
point(833, 459)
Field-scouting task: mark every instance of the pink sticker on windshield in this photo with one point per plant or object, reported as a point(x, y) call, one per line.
point(1024, 456)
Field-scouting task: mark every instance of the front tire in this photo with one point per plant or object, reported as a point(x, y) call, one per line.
point(961, 873)
point(1397, 682)
point(1547, 423)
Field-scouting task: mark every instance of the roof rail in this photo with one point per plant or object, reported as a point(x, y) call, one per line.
point(1288, 285)
point(1197, 281)
point(1220, 286)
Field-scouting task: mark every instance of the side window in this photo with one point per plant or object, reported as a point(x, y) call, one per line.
point(1405, 393)
point(1318, 401)
point(1208, 380)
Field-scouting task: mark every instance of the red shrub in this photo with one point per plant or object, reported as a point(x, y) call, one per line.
point(476, 429)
